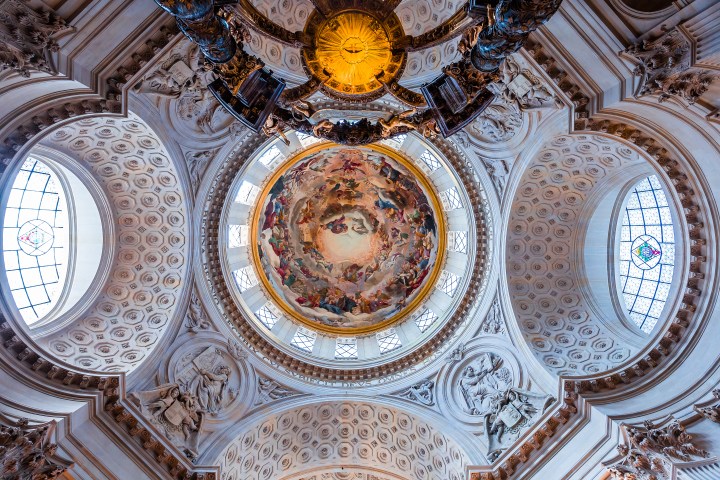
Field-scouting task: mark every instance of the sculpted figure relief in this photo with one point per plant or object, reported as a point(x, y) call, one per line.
point(210, 387)
point(174, 412)
point(651, 451)
point(515, 412)
point(180, 408)
point(422, 393)
point(484, 383)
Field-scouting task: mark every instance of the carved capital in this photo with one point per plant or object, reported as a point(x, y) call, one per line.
point(26, 37)
point(665, 67)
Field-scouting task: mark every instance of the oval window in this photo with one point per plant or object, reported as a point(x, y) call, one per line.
point(647, 253)
point(41, 238)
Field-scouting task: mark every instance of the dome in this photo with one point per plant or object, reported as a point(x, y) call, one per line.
point(350, 257)
point(360, 240)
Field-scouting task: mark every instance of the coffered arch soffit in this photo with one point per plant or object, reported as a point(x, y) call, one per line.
point(389, 440)
point(550, 208)
point(145, 285)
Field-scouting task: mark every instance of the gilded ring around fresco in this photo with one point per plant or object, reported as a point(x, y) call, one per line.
point(348, 240)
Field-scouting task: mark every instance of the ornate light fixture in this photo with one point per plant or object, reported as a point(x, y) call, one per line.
point(355, 52)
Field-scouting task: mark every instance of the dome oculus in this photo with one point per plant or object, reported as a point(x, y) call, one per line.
point(348, 240)
point(351, 50)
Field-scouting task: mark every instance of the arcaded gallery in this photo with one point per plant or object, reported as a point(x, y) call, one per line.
point(359, 239)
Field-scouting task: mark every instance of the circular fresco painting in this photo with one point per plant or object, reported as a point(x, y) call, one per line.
point(348, 239)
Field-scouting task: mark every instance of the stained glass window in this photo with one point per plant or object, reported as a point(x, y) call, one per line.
point(431, 161)
point(268, 315)
point(247, 193)
point(271, 157)
point(245, 278)
point(450, 199)
point(647, 252)
point(425, 319)
point(307, 140)
point(36, 240)
point(395, 142)
point(448, 283)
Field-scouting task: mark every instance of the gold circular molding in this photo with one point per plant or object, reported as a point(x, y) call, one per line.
point(276, 288)
point(350, 50)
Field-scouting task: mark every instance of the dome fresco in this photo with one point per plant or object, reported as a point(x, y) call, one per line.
point(348, 239)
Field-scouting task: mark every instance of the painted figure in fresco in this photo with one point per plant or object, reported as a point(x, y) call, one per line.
point(388, 236)
point(337, 226)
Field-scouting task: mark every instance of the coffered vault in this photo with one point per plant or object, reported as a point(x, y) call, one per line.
point(485, 323)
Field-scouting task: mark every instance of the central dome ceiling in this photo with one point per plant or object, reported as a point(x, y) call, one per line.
point(348, 239)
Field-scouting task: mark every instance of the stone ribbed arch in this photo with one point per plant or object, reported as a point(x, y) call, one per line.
point(149, 270)
point(551, 206)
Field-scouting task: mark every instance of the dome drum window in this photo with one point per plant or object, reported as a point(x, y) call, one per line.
point(348, 256)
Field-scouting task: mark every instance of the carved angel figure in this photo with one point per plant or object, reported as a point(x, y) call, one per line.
point(421, 393)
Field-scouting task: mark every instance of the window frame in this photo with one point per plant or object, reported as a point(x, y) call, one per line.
point(61, 314)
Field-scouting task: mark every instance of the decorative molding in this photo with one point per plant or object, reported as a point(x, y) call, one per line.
point(711, 412)
point(665, 67)
point(561, 78)
point(422, 393)
point(27, 452)
point(651, 452)
point(26, 37)
point(341, 432)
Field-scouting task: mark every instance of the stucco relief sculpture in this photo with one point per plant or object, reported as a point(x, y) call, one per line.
point(651, 451)
point(484, 383)
point(181, 408)
point(665, 68)
point(711, 412)
point(511, 415)
point(269, 390)
point(196, 318)
point(182, 79)
point(26, 452)
point(423, 393)
point(26, 37)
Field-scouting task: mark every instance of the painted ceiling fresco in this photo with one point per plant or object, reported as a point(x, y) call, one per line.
point(347, 238)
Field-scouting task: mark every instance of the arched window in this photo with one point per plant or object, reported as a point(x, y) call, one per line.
point(41, 238)
point(35, 240)
point(647, 252)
